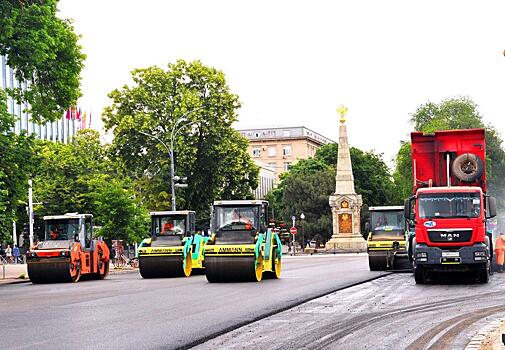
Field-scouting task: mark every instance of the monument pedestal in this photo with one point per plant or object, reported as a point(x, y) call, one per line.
point(349, 244)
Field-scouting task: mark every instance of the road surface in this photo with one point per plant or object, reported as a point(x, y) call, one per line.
point(128, 312)
point(387, 313)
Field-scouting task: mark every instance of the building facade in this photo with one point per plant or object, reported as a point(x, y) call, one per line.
point(279, 148)
point(266, 181)
point(62, 130)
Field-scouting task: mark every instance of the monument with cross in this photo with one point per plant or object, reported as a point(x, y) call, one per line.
point(345, 203)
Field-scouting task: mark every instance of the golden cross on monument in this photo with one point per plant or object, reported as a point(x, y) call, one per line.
point(342, 110)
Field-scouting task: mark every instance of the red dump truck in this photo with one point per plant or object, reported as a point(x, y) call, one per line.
point(449, 207)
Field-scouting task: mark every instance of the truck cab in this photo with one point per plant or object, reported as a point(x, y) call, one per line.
point(238, 222)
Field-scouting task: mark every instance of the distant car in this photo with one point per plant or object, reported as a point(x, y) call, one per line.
point(312, 244)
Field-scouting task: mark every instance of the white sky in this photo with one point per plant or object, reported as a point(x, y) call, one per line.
point(293, 62)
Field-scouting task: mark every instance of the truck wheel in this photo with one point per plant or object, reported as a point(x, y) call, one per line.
point(483, 274)
point(419, 275)
point(468, 167)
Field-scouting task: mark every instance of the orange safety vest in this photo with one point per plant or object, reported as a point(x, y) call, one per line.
point(499, 245)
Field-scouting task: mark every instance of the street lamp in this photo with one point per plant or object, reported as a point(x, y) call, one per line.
point(175, 129)
point(302, 217)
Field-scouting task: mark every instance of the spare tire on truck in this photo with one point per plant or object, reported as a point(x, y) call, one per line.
point(468, 167)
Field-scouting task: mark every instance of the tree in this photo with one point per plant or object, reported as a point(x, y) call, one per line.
point(81, 177)
point(208, 151)
point(308, 194)
point(16, 163)
point(450, 114)
point(117, 211)
point(43, 51)
point(307, 185)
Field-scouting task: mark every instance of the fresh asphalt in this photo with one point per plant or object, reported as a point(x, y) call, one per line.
point(392, 312)
point(128, 312)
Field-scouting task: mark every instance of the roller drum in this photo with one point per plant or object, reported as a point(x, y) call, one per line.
point(51, 271)
point(161, 266)
point(231, 269)
point(377, 262)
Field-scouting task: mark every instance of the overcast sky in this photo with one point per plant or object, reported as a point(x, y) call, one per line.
point(293, 62)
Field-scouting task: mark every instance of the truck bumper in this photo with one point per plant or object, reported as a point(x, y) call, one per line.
point(462, 259)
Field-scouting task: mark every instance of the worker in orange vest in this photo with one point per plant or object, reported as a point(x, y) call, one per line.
point(499, 250)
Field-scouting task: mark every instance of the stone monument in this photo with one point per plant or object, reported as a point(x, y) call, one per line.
point(345, 203)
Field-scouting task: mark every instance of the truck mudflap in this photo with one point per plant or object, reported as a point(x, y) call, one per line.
point(455, 259)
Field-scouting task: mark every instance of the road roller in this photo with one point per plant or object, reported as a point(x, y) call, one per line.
point(174, 249)
point(386, 239)
point(241, 247)
point(68, 251)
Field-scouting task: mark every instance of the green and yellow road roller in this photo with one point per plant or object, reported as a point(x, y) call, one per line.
point(386, 239)
point(241, 247)
point(174, 249)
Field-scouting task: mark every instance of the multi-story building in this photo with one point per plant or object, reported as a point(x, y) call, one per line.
point(279, 148)
point(61, 130)
point(266, 181)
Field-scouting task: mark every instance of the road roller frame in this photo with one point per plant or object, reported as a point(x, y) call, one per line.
point(174, 252)
point(241, 247)
point(68, 252)
point(386, 240)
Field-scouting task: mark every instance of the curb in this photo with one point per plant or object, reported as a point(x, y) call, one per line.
point(8, 281)
point(488, 336)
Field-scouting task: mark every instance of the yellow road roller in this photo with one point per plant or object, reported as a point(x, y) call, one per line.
point(174, 249)
point(386, 239)
point(241, 247)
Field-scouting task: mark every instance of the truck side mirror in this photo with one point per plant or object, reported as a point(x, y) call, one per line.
point(490, 207)
point(406, 209)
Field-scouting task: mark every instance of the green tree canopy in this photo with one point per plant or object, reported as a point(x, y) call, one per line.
point(16, 163)
point(454, 113)
point(208, 151)
point(80, 177)
point(307, 185)
point(43, 51)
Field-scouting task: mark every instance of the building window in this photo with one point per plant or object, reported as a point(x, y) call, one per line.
point(256, 152)
point(287, 165)
point(286, 150)
point(287, 133)
point(257, 134)
point(272, 151)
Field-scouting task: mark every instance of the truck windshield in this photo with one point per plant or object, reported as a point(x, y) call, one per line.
point(449, 205)
point(236, 218)
point(64, 229)
point(168, 225)
point(387, 220)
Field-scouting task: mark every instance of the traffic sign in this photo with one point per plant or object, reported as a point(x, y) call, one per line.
point(293, 230)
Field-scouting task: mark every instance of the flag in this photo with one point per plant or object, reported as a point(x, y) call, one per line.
point(72, 113)
point(68, 114)
point(78, 114)
point(89, 125)
point(83, 120)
